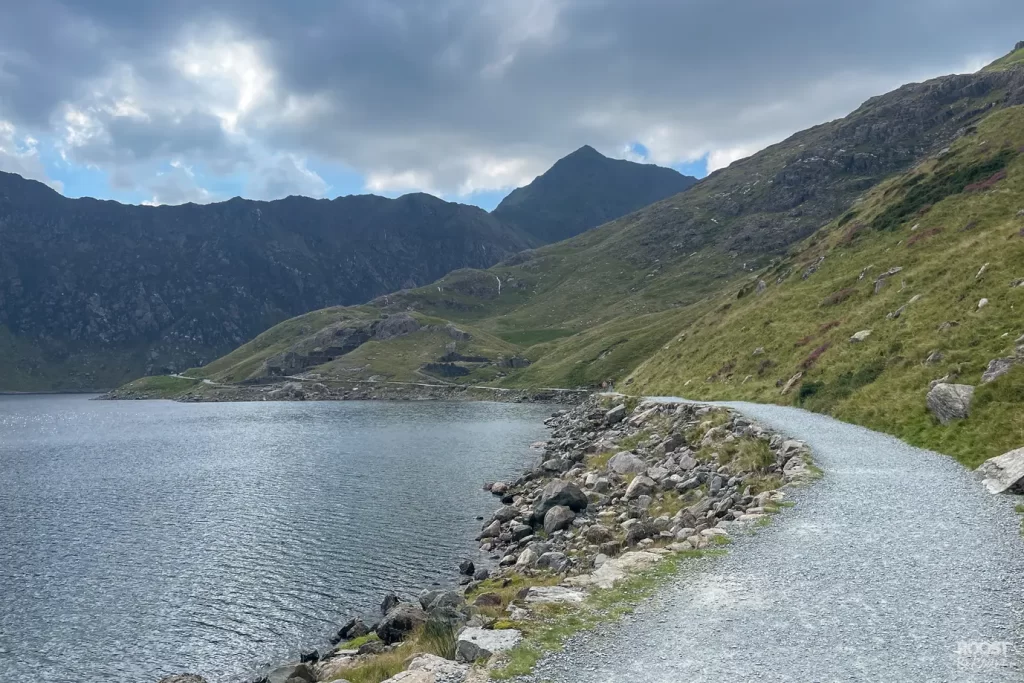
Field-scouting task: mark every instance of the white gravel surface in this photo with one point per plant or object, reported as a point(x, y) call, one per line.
point(896, 566)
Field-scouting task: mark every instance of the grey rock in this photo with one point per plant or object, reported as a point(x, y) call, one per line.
point(615, 415)
point(554, 561)
point(561, 493)
point(950, 402)
point(400, 621)
point(182, 678)
point(598, 534)
point(506, 514)
point(476, 643)
point(1004, 473)
point(625, 462)
point(286, 674)
point(466, 567)
point(492, 530)
point(640, 486)
point(389, 603)
point(527, 558)
point(558, 518)
point(997, 368)
point(860, 336)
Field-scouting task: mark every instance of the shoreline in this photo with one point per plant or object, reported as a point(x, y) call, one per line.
point(578, 538)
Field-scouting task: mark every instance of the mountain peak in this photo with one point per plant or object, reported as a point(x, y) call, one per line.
point(586, 151)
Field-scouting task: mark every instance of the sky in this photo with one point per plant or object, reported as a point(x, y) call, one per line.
point(189, 100)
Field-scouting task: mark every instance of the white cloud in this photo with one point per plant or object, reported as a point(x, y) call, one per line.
point(20, 154)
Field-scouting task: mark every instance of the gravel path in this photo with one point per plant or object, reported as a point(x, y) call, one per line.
point(878, 574)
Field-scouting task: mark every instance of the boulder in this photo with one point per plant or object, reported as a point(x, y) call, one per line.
point(443, 670)
point(997, 368)
point(558, 518)
point(598, 534)
point(466, 567)
point(431, 600)
point(492, 530)
point(640, 486)
point(477, 643)
point(499, 488)
point(553, 594)
point(506, 514)
point(400, 621)
point(556, 562)
point(481, 574)
point(640, 531)
point(413, 677)
point(1004, 473)
point(527, 558)
point(355, 628)
point(560, 492)
point(950, 402)
point(626, 463)
point(389, 603)
point(331, 669)
point(615, 415)
point(860, 336)
point(489, 599)
point(285, 674)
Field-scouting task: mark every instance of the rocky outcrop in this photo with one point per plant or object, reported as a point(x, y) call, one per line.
point(1004, 473)
point(997, 368)
point(949, 402)
point(400, 621)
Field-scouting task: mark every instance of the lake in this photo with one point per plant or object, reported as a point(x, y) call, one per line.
point(139, 539)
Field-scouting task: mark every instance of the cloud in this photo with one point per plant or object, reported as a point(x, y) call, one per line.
point(455, 97)
point(20, 154)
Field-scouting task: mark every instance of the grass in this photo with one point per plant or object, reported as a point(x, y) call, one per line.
point(161, 386)
point(599, 461)
point(356, 643)
point(556, 623)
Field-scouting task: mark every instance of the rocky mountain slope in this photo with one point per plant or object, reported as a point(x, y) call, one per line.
point(584, 190)
point(93, 293)
point(768, 268)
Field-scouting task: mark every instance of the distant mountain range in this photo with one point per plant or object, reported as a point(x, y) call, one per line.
point(94, 293)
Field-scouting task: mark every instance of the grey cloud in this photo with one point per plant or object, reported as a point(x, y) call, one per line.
point(456, 94)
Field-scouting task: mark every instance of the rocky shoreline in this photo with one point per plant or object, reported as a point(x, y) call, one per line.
point(622, 488)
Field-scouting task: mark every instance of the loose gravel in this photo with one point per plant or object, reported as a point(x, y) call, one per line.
point(895, 566)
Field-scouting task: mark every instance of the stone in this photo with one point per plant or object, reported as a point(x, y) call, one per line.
point(444, 670)
point(554, 561)
point(598, 534)
point(476, 643)
point(982, 303)
point(949, 402)
point(616, 569)
point(640, 486)
point(492, 530)
point(527, 558)
point(371, 647)
point(481, 574)
point(1004, 473)
point(309, 656)
point(400, 621)
point(431, 600)
point(934, 357)
point(860, 336)
point(560, 493)
point(489, 599)
point(413, 677)
point(997, 368)
point(506, 513)
point(558, 518)
point(466, 567)
point(520, 531)
point(389, 603)
point(499, 488)
point(285, 674)
point(331, 669)
point(615, 415)
point(641, 531)
point(182, 678)
point(761, 286)
point(625, 462)
point(792, 383)
point(553, 594)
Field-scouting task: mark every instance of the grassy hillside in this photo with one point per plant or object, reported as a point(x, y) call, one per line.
point(954, 226)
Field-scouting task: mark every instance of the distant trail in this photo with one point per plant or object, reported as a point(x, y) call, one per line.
point(881, 570)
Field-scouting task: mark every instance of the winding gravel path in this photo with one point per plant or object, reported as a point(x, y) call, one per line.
point(881, 570)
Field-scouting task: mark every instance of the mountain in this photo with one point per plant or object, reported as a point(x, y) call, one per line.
point(584, 190)
point(94, 292)
point(669, 299)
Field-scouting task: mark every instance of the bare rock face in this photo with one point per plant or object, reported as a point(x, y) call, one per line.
point(949, 402)
point(1004, 473)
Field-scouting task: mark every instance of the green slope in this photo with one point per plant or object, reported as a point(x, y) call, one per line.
point(955, 227)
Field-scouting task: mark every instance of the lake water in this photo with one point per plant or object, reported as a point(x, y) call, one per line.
point(139, 539)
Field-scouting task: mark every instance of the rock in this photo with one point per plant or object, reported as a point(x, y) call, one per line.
point(182, 678)
point(432, 600)
point(558, 518)
point(489, 599)
point(492, 530)
point(640, 486)
point(560, 493)
point(499, 488)
point(477, 643)
point(934, 357)
point(389, 603)
point(598, 534)
point(616, 569)
point(1004, 473)
point(640, 531)
point(481, 574)
point(615, 415)
point(467, 568)
point(950, 402)
point(791, 383)
point(355, 628)
point(400, 621)
point(444, 670)
point(553, 594)
point(997, 368)
point(758, 351)
point(413, 677)
point(527, 558)
point(331, 669)
point(860, 336)
point(625, 462)
point(982, 304)
point(761, 286)
point(371, 647)
point(554, 561)
point(309, 656)
point(285, 674)
point(506, 514)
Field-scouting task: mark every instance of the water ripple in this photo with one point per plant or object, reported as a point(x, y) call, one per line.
point(141, 539)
